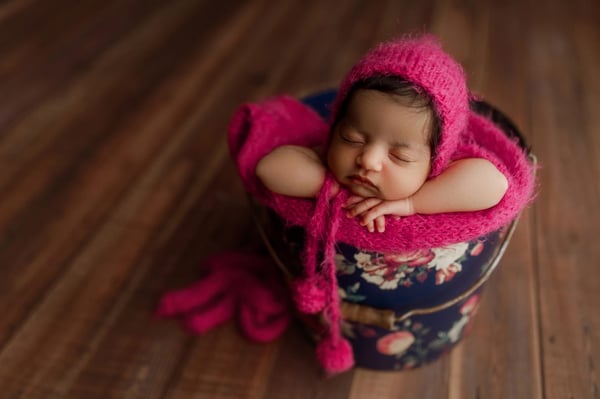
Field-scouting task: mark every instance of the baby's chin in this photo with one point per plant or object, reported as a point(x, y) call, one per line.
point(362, 191)
point(366, 192)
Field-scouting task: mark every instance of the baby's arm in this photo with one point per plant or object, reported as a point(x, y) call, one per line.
point(292, 170)
point(467, 185)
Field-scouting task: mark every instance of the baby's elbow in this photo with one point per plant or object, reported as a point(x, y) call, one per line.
point(498, 189)
point(262, 169)
point(269, 174)
point(503, 185)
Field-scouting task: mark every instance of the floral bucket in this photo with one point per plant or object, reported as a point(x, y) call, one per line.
point(400, 310)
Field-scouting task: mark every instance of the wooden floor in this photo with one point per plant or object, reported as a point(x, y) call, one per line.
point(115, 184)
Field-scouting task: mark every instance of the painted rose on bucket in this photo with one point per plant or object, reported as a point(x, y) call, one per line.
point(395, 343)
point(410, 259)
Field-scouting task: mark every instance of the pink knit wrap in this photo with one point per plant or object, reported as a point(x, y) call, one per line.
point(256, 129)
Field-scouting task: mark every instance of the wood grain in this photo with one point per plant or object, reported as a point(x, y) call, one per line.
point(116, 184)
point(567, 224)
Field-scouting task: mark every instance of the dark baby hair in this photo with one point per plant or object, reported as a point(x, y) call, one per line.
point(405, 92)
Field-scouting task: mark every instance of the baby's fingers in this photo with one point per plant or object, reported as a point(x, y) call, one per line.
point(353, 200)
point(376, 224)
point(380, 224)
point(362, 206)
point(378, 211)
point(371, 227)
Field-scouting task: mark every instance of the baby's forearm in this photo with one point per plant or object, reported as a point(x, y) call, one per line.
point(292, 170)
point(467, 185)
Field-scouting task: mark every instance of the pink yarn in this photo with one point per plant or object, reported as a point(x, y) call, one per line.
point(335, 355)
point(310, 289)
point(481, 138)
point(254, 132)
point(334, 352)
point(237, 283)
point(309, 294)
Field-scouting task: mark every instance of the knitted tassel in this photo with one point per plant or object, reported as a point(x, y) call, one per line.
point(309, 294)
point(335, 354)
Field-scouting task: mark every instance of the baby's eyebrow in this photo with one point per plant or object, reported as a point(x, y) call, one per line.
point(357, 129)
point(408, 146)
point(400, 144)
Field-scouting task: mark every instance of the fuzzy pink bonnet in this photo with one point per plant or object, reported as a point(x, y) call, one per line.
point(421, 61)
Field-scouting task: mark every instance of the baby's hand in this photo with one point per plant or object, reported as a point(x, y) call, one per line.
point(357, 205)
point(372, 210)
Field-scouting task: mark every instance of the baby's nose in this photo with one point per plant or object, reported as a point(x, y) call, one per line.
point(370, 159)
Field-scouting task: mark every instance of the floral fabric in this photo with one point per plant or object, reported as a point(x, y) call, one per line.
point(404, 281)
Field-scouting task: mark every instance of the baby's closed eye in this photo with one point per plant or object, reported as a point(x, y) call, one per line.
point(352, 137)
point(400, 157)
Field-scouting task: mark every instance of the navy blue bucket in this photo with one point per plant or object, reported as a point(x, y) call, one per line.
point(400, 310)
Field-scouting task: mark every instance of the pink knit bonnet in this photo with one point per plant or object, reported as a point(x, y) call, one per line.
point(421, 61)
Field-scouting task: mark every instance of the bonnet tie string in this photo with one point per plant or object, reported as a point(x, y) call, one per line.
point(317, 290)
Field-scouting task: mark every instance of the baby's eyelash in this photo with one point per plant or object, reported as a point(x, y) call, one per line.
point(347, 140)
point(400, 158)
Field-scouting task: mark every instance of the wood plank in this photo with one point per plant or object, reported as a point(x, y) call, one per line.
point(138, 357)
point(39, 61)
point(296, 373)
point(463, 29)
point(115, 184)
point(113, 265)
point(501, 355)
point(233, 368)
point(390, 384)
point(567, 219)
point(90, 189)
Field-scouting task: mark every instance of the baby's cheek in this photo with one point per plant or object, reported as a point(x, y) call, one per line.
point(395, 186)
point(335, 162)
